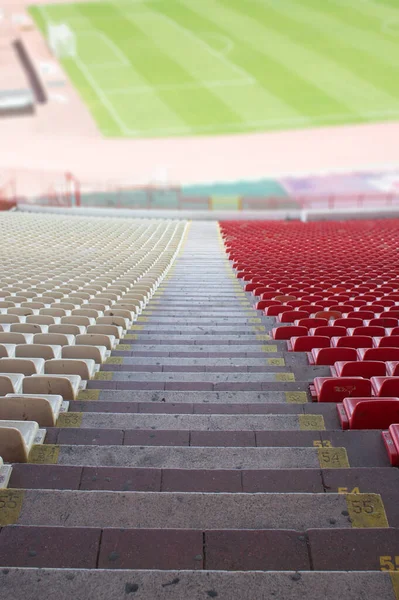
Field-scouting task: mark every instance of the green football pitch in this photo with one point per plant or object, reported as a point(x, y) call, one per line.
point(156, 68)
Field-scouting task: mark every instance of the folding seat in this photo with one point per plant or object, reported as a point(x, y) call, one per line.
point(87, 312)
point(42, 319)
point(285, 333)
point(348, 322)
point(106, 329)
point(311, 298)
point(26, 366)
point(385, 322)
point(368, 413)
point(267, 294)
point(329, 356)
point(28, 328)
point(343, 308)
point(44, 409)
point(274, 311)
point(54, 339)
point(21, 311)
point(335, 389)
point(289, 316)
point(67, 329)
point(328, 314)
point(352, 341)
point(392, 312)
point(356, 303)
point(307, 343)
point(55, 312)
point(363, 315)
point(376, 309)
point(329, 331)
point(85, 368)
point(311, 323)
point(325, 305)
point(383, 354)
point(6, 319)
point(66, 386)
point(386, 302)
point(385, 386)
point(75, 320)
point(295, 304)
point(310, 308)
point(262, 304)
point(371, 331)
point(391, 441)
point(17, 439)
point(96, 339)
point(15, 338)
point(365, 369)
point(96, 353)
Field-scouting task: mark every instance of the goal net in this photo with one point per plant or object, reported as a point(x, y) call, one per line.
point(61, 40)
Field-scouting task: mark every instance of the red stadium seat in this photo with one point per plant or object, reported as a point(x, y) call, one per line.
point(368, 413)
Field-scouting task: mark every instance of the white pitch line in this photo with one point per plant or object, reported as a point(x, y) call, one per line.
point(281, 122)
point(99, 92)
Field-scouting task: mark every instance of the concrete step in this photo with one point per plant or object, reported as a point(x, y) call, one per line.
point(292, 393)
point(279, 382)
point(171, 510)
point(81, 584)
point(192, 422)
point(193, 549)
point(181, 457)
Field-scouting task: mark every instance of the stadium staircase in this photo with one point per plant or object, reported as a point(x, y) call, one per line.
point(160, 440)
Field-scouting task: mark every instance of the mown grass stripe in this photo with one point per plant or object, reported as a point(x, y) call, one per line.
point(279, 64)
point(325, 72)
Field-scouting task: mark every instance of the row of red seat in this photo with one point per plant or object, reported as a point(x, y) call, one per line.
point(333, 288)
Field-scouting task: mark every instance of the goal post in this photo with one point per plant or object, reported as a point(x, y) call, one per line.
point(62, 40)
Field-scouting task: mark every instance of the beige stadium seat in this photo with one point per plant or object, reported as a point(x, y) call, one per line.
point(38, 351)
point(26, 366)
point(11, 319)
point(68, 303)
point(99, 306)
point(16, 338)
point(115, 320)
point(22, 311)
point(17, 439)
point(54, 312)
point(87, 312)
point(96, 339)
point(19, 299)
point(96, 353)
point(85, 368)
point(119, 312)
point(68, 307)
point(67, 386)
point(54, 339)
point(76, 320)
point(28, 328)
point(111, 330)
point(33, 305)
point(43, 320)
point(67, 329)
point(44, 409)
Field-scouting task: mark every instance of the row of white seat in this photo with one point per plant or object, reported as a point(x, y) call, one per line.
point(70, 288)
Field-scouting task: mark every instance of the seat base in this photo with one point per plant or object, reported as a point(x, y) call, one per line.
point(5, 474)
